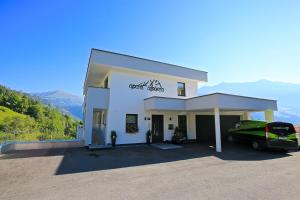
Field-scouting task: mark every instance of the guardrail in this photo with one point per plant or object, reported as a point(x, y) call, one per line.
point(14, 143)
point(57, 144)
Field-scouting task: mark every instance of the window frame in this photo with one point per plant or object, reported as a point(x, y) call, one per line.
point(181, 95)
point(136, 123)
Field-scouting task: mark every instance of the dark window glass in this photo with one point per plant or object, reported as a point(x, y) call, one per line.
point(106, 82)
point(281, 128)
point(181, 89)
point(131, 123)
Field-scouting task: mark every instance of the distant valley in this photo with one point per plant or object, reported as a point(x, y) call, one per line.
point(65, 102)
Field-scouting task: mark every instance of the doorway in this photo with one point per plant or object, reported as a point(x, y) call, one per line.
point(157, 128)
point(182, 125)
point(99, 127)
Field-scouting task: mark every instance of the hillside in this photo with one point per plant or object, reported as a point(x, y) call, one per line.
point(22, 115)
point(65, 102)
point(286, 94)
point(6, 112)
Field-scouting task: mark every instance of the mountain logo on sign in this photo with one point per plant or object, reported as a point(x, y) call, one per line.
point(151, 85)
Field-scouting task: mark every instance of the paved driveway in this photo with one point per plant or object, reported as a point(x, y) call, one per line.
point(143, 172)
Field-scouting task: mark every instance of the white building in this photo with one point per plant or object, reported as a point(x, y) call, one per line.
point(132, 95)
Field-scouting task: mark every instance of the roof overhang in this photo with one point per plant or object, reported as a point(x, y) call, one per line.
point(225, 102)
point(101, 62)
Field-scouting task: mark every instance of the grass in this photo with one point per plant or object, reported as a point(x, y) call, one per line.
point(6, 112)
point(31, 137)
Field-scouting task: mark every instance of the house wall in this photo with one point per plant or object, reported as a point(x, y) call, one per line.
point(124, 100)
point(96, 98)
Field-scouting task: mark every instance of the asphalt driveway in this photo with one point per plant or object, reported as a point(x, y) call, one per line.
point(144, 172)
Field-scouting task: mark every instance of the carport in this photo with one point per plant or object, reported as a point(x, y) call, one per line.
point(215, 105)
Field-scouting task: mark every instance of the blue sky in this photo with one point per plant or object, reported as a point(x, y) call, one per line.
point(45, 45)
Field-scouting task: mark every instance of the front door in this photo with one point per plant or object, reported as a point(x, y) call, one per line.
point(182, 125)
point(98, 131)
point(157, 128)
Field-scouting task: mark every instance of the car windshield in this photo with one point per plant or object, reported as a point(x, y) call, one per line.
point(281, 128)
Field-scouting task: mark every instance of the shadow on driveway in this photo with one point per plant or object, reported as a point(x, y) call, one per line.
point(79, 160)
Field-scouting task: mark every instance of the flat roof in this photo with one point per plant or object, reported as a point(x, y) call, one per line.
point(210, 101)
point(215, 93)
point(101, 61)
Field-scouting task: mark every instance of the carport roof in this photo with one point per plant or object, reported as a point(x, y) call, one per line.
point(210, 101)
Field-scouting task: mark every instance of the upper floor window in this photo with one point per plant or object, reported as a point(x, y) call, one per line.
point(181, 89)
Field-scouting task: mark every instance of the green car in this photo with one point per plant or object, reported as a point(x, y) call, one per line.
point(277, 135)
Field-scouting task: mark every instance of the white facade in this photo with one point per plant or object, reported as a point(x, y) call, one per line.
point(118, 84)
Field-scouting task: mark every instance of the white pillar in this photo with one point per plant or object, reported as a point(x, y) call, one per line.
point(217, 130)
point(269, 115)
point(246, 116)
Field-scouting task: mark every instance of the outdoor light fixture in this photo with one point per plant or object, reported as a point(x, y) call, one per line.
point(148, 118)
point(145, 118)
point(170, 118)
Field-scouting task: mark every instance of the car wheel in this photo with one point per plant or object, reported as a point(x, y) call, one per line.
point(256, 145)
point(230, 138)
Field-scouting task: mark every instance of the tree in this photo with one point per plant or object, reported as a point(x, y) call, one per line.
point(18, 124)
point(36, 111)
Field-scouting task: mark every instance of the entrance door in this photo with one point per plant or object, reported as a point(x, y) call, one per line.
point(157, 128)
point(182, 124)
point(98, 132)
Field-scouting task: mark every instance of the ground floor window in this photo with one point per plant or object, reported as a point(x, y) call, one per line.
point(131, 123)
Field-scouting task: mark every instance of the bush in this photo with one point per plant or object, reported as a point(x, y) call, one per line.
point(31, 137)
point(113, 136)
point(18, 124)
point(148, 137)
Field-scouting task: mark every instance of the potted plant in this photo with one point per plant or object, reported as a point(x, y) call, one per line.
point(148, 137)
point(113, 136)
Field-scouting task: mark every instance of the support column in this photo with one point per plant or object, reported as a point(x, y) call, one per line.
point(269, 115)
point(246, 116)
point(217, 129)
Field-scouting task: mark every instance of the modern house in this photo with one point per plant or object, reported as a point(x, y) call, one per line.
point(132, 95)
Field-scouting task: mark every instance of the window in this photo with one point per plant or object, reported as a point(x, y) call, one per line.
point(131, 123)
point(181, 89)
point(106, 82)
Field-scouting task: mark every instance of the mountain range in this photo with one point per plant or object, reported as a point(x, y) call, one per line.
point(65, 102)
point(286, 94)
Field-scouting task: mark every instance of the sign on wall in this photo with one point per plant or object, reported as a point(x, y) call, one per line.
point(151, 85)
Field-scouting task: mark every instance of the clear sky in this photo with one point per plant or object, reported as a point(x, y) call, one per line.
point(45, 45)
